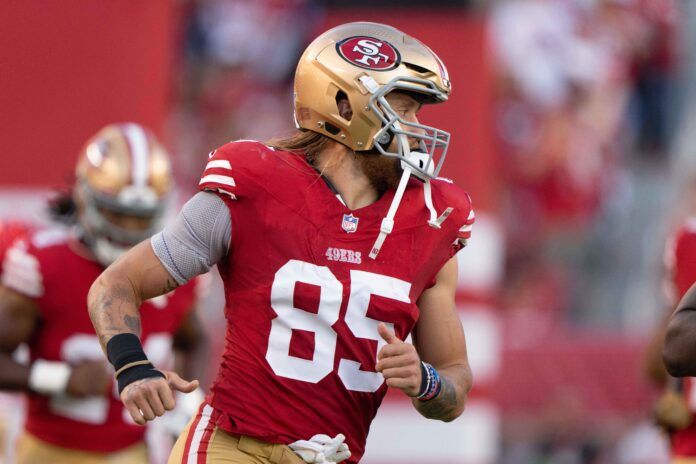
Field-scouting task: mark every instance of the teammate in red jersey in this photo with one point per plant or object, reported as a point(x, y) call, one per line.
point(333, 244)
point(11, 404)
point(74, 414)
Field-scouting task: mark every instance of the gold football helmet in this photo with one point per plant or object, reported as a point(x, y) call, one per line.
point(123, 178)
point(363, 62)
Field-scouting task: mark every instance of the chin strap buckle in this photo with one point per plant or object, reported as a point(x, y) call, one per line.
point(387, 226)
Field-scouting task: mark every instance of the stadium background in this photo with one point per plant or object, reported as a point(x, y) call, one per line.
point(572, 130)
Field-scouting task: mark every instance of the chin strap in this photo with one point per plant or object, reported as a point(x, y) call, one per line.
point(388, 222)
point(387, 226)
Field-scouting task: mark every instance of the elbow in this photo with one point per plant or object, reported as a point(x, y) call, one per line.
point(462, 397)
point(458, 411)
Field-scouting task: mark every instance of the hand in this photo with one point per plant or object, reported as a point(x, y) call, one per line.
point(88, 378)
point(399, 363)
point(148, 398)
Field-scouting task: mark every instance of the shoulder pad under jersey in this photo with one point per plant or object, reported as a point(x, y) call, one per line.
point(235, 168)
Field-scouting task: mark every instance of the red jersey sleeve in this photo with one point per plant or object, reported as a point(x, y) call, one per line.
point(230, 169)
point(462, 217)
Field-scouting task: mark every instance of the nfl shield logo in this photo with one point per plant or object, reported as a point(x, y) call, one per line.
point(350, 223)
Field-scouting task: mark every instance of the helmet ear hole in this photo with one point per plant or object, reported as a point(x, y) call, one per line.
point(343, 105)
point(331, 129)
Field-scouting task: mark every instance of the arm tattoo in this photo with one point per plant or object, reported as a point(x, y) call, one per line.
point(444, 405)
point(113, 310)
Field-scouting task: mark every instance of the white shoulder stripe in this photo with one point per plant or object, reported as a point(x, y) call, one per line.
point(18, 258)
point(137, 141)
point(472, 215)
point(21, 272)
point(218, 179)
point(224, 164)
point(466, 228)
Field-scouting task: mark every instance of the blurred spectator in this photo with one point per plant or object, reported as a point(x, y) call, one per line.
point(568, 72)
point(581, 104)
point(237, 73)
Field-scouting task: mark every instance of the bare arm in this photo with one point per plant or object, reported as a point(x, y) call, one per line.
point(679, 351)
point(18, 318)
point(439, 340)
point(114, 301)
point(187, 247)
point(115, 297)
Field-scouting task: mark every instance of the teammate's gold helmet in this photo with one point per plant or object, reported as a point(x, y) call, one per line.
point(363, 62)
point(123, 178)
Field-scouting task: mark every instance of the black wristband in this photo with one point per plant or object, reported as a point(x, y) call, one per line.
point(130, 375)
point(124, 349)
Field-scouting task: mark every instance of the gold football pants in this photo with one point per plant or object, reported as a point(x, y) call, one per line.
point(31, 450)
point(202, 442)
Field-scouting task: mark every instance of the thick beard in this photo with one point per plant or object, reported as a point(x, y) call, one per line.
point(383, 172)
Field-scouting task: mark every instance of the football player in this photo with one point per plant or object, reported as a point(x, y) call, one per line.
point(74, 414)
point(11, 404)
point(334, 245)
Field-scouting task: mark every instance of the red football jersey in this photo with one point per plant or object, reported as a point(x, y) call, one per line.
point(681, 260)
point(303, 298)
point(56, 271)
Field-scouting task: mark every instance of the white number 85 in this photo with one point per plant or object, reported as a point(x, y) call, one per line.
point(363, 284)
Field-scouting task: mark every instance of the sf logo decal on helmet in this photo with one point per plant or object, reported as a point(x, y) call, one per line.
point(369, 53)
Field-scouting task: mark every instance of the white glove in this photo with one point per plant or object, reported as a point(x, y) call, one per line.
point(322, 449)
point(187, 405)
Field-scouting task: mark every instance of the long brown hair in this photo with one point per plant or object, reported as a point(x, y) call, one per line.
point(301, 142)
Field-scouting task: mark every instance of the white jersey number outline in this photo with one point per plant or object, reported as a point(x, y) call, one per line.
point(363, 285)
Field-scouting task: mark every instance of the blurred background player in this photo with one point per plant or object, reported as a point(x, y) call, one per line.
point(11, 404)
point(123, 177)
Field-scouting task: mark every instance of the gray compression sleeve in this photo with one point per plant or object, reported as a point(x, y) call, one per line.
point(197, 239)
